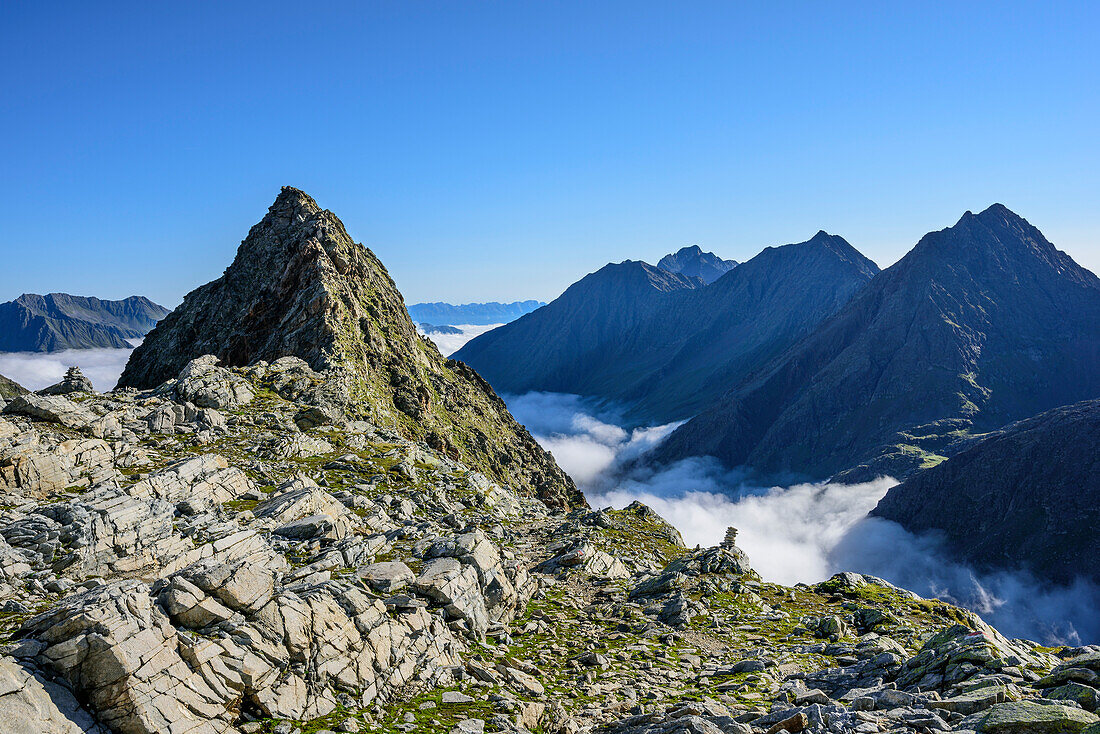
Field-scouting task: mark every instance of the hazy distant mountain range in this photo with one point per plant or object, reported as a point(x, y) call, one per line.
point(446, 314)
point(692, 261)
point(57, 321)
point(666, 344)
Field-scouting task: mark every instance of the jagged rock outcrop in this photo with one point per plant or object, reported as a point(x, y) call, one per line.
point(694, 263)
point(186, 597)
point(51, 408)
point(300, 287)
point(1026, 496)
point(663, 344)
point(981, 324)
point(57, 321)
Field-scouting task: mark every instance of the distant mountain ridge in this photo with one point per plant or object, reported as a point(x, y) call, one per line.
point(473, 314)
point(436, 329)
point(1026, 496)
point(664, 343)
point(692, 261)
point(57, 321)
point(979, 325)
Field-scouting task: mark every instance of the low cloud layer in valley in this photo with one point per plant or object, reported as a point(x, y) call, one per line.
point(450, 343)
point(801, 533)
point(35, 370)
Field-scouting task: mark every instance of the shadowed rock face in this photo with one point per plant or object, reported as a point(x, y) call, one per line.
point(663, 343)
point(1026, 496)
point(57, 321)
point(979, 325)
point(693, 262)
point(299, 286)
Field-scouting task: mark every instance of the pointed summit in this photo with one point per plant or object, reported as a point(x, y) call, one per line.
point(290, 197)
point(693, 262)
point(994, 241)
point(300, 287)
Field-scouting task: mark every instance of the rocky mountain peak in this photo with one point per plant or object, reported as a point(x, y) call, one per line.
point(299, 286)
point(291, 198)
point(691, 261)
point(992, 241)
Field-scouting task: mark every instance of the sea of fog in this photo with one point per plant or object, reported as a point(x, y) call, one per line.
point(36, 370)
point(450, 343)
point(801, 533)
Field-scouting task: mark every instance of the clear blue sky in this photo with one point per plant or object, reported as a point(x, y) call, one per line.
point(498, 151)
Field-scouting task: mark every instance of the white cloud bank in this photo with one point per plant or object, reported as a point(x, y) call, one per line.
point(36, 370)
point(450, 343)
point(803, 533)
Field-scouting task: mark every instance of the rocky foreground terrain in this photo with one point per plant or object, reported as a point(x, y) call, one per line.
point(204, 557)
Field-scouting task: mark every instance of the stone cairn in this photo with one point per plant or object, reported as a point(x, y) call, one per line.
point(730, 541)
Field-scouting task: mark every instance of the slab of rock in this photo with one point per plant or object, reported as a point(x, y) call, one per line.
point(206, 385)
point(454, 585)
point(199, 483)
point(1084, 696)
point(456, 697)
point(29, 705)
point(1030, 717)
point(51, 409)
point(40, 469)
point(119, 652)
point(386, 577)
point(586, 557)
point(972, 702)
point(244, 586)
point(297, 446)
point(108, 531)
